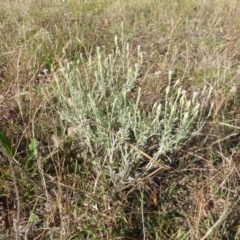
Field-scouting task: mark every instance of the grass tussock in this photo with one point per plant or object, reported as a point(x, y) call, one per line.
point(119, 119)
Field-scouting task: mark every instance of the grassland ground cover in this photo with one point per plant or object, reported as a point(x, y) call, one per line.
point(119, 119)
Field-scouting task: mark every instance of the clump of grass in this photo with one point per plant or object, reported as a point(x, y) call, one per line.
point(94, 101)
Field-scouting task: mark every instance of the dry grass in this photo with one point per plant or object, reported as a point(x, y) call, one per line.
point(62, 193)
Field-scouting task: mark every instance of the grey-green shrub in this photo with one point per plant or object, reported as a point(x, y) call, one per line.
point(93, 99)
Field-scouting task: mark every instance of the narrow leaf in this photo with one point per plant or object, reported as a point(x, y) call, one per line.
point(6, 143)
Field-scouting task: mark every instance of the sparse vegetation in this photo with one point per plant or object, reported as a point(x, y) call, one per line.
point(119, 119)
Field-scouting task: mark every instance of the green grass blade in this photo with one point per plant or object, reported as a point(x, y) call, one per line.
point(6, 143)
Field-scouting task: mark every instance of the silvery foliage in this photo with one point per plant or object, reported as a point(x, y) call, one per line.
point(93, 97)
